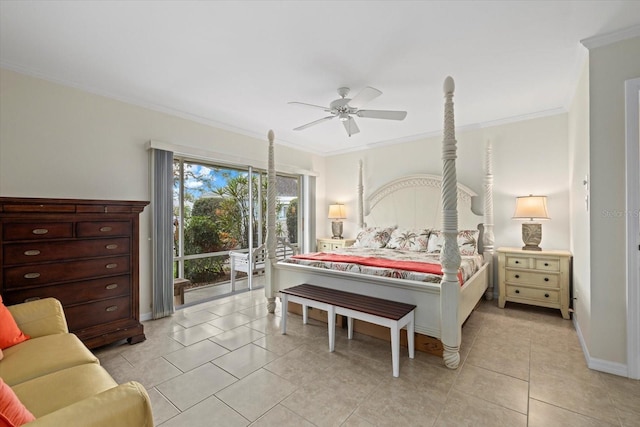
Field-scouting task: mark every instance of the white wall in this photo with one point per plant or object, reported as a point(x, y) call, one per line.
point(580, 235)
point(61, 142)
point(609, 67)
point(530, 156)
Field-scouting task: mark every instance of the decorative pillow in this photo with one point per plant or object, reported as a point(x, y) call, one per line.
point(467, 242)
point(10, 334)
point(12, 411)
point(373, 237)
point(409, 239)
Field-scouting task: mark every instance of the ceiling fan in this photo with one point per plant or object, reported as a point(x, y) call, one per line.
point(344, 108)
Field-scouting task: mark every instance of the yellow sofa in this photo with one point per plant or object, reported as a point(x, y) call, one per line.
point(60, 381)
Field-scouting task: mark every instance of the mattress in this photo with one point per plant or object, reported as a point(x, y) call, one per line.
point(396, 257)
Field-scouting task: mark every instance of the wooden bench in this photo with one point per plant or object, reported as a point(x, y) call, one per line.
point(392, 314)
point(240, 260)
point(178, 290)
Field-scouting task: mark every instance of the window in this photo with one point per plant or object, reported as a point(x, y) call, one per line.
point(218, 209)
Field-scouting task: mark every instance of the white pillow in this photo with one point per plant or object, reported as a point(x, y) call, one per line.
point(373, 237)
point(409, 239)
point(467, 242)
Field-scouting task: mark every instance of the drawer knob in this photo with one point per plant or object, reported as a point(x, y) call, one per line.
point(32, 252)
point(517, 276)
point(105, 229)
point(517, 291)
point(112, 265)
point(32, 275)
point(32, 299)
point(111, 308)
point(111, 246)
point(517, 262)
point(40, 231)
point(546, 295)
point(546, 264)
point(546, 279)
point(111, 286)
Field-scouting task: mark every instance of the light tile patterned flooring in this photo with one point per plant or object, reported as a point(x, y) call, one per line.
point(225, 363)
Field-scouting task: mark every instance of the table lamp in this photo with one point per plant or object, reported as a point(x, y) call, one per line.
point(336, 212)
point(531, 208)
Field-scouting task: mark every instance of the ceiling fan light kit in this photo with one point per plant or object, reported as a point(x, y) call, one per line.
point(344, 108)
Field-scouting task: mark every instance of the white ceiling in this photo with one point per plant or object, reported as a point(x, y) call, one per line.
point(236, 64)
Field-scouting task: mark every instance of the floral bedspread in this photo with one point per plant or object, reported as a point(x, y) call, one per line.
point(468, 266)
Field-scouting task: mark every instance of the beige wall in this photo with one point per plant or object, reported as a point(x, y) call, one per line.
point(580, 236)
point(60, 142)
point(530, 156)
point(609, 67)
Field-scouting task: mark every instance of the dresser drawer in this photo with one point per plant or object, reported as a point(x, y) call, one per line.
point(25, 253)
point(37, 230)
point(532, 278)
point(99, 312)
point(551, 296)
point(517, 261)
point(73, 293)
point(43, 274)
point(547, 264)
point(103, 228)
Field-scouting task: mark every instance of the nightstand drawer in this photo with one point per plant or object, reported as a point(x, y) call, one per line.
point(517, 262)
point(531, 278)
point(533, 294)
point(547, 264)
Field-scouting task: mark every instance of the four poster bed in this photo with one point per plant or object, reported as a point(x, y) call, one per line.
point(426, 212)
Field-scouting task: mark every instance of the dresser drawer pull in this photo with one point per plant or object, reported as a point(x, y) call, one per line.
point(32, 252)
point(111, 286)
point(32, 275)
point(546, 264)
point(517, 262)
point(517, 276)
point(32, 299)
point(546, 295)
point(111, 308)
point(112, 265)
point(39, 231)
point(517, 291)
point(105, 229)
point(111, 246)
point(546, 279)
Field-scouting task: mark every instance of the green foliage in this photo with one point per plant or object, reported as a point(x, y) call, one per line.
point(292, 220)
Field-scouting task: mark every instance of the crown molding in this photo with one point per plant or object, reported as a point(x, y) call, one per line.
point(609, 38)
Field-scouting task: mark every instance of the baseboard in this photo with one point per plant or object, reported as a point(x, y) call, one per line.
point(145, 316)
point(601, 365)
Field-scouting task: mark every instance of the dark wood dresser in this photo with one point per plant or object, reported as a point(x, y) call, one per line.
point(84, 253)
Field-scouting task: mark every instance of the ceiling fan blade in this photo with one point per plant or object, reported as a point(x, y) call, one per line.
point(310, 105)
point(382, 114)
point(365, 96)
point(350, 126)
point(315, 122)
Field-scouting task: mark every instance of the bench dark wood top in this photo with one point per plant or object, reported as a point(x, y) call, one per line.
point(375, 306)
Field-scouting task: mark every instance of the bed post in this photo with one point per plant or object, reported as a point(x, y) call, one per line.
point(361, 223)
point(450, 254)
point(488, 239)
point(271, 229)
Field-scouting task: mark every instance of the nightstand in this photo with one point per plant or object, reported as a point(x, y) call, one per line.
point(329, 244)
point(535, 277)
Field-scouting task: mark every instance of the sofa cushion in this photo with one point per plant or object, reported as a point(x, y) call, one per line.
point(57, 390)
point(10, 334)
point(12, 410)
point(41, 356)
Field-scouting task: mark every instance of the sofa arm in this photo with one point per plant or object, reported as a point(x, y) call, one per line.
point(40, 317)
point(126, 405)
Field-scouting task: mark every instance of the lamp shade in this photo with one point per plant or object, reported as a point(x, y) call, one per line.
point(337, 211)
point(531, 208)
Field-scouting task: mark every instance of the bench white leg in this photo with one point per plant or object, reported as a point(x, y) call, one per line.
point(395, 349)
point(331, 320)
point(411, 337)
point(283, 317)
point(305, 314)
point(350, 327)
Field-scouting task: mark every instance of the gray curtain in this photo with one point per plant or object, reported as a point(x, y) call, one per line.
point(162, 188)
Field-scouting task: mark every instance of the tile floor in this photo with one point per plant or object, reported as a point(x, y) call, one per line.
point(225, 363)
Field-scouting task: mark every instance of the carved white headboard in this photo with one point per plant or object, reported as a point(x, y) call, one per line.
point(415, 201)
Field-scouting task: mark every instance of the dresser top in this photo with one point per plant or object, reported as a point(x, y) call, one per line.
point(542, 252)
